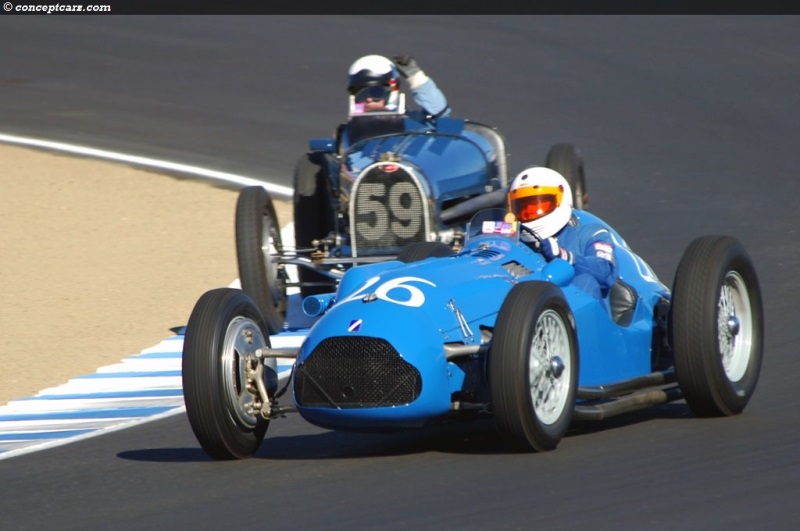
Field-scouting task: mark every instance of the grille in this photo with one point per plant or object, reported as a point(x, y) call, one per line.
point(356, 372)
point(486, 253)
point(387, 211)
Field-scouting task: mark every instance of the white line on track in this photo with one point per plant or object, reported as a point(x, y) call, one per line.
point(28, 427)
point(196, 171)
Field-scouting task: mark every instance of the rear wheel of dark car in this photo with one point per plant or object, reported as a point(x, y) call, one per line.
point(567, 160)
point(220, 379)
point(313, 217)
point(414, 252)
point(258, 247)
point(533, 366)
point(717, 326)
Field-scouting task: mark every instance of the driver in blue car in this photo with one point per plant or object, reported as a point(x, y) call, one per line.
point(373, 85)
point(541, 199)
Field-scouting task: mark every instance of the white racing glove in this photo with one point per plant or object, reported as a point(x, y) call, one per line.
point(551, 250)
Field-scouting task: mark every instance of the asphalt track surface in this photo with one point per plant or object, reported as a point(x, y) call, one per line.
point(688, 126)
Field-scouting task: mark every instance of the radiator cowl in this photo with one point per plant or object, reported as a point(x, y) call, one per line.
point(355, 372)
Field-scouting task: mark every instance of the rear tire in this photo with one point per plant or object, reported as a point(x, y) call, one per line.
point(717, 326)
point(567, 160)
point(223, 332)
point(258, 246)
point(533, 366)
point(313, 215)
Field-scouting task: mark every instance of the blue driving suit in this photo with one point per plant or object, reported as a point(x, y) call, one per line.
point(593, 256)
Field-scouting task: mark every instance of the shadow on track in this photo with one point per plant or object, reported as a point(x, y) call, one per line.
point(471, 438)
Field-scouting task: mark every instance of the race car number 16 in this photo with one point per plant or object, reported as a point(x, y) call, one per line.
point(413, 295)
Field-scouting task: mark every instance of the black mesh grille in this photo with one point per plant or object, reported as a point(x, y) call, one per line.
point(388, 211)
point(356, 372)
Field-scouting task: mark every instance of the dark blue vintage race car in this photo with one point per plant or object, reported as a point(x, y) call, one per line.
point(490, 329)
point(393, 182)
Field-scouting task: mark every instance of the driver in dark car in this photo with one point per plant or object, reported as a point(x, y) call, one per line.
point(373, 85)
point(377, 107)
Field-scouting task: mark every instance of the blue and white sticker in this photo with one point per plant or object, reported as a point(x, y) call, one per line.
point(355, 325)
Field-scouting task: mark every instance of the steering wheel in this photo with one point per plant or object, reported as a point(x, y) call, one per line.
point(531, 232)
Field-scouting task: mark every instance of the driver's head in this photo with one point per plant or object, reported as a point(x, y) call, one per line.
point(541, 199)
point(372, 83)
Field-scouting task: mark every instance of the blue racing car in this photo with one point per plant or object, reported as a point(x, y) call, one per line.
point(491, 328)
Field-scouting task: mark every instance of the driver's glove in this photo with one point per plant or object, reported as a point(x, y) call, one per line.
point(410, 70)
point(551, 250)
point(406, 65)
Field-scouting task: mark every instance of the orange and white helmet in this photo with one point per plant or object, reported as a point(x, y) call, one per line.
point(541, 199)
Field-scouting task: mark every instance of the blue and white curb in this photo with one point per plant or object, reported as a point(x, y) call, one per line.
point(141, 388)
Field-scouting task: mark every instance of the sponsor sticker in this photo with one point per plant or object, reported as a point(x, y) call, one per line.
point(604, 250)
point(499, 227)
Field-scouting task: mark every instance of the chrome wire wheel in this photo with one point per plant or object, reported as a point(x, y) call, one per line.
point(238, 360)
point(549, 367)
point(734, 326)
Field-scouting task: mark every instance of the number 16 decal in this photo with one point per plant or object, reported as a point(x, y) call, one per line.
point(415, 296)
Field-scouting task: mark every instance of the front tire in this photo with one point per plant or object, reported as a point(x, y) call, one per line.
point(258, 247)
point(533, 366)
point(222, 335)
point(567, 160)
point(717, 326)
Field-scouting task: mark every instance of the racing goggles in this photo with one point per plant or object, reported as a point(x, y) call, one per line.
point(374, 93)
point(534, 202)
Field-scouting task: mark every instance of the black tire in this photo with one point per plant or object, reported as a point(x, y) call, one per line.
point(258, 247)
point(414, 252)
point(313, 215)
point(567, 160)
point(224, 326)
point(530, 309)
point(717, 326)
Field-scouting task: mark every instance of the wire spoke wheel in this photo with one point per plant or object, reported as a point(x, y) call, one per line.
point(549, 375)
point(735, 341)
point(717, 326)
point(533, 366)
point(258, 251)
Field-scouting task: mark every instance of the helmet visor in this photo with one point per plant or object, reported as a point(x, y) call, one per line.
point(534, 202)
point(374, 93)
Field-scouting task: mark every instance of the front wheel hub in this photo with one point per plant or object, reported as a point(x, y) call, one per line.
point(556, 366)
point(733, 325)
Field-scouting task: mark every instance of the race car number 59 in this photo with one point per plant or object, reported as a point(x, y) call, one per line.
point(397, 210)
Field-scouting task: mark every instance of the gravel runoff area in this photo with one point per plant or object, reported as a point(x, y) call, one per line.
point(99, 261)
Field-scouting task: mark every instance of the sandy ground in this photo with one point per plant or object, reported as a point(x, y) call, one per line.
point(99, 261)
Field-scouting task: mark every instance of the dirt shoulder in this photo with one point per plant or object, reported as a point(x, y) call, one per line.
point(99, 260)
